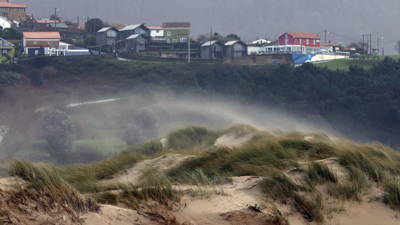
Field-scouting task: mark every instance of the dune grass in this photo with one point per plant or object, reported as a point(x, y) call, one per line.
point(320, 173)
point(192, 136)
point(85, 177)
point(280, 187)
point(354, 188)
point(392, 195)
point(47, 182)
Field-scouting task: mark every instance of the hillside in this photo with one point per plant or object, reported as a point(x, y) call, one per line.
point(345, 20)
point(238, 175)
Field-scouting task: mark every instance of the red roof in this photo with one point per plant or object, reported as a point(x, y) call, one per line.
point(303, 35)
point(176, 25)
point(155, 27)
point(42, 35)
point(10, 5)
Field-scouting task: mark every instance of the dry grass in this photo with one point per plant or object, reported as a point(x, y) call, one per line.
point(46, 180)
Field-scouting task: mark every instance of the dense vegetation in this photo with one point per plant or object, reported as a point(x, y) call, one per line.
point(359, 103)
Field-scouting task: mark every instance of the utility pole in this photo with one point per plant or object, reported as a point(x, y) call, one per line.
point(55, 17)
point(367, 44)
point(370, 43)
point(363, 46)
point(378, 44)
point(189, 46)
point(77, 20)
point(325, 35)
point(383, 51)
point(211, 44)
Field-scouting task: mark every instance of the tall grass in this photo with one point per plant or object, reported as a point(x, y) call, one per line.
point(392, 195)
point(259, 158)
point(48, 182)
point(280, 187)
point(149, 147)
point(318, 172)
point(191, 136)
point(354, 188)
point(84, 177)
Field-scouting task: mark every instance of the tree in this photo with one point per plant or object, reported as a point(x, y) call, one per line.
point(93, 25)
point(147, 120)
point(133, 135)
point(11, 34)
point(55, 17)
point(68, 23)
point(118, 25)
point(231, 37)
point(397, 46)
point(59, 134)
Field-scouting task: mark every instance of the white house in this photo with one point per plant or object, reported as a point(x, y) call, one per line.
point(5, 23)
point(156, 33)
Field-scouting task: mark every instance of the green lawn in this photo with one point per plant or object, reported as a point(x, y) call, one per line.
point(104, 145)
point(344, 64)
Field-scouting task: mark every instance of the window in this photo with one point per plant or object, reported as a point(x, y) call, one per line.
point(111, 33)
point(36, 52)
point(173, 40)
point(286, 35)
point(157, 31)
point(35, 42)
point(168, 40)
point(19, 18)
point(314, 42)
point(139, 31)
point(49, 42)
point(183, 39)
point(169, 33)
point(308, 41)
point(300, 41)
point(4, 51)
point(4, 9)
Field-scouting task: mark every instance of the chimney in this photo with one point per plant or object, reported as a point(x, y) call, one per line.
point(329, 41)
point(8, 1)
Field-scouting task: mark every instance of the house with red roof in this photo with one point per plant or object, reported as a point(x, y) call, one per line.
point(36, 40)
point(12, 11)
point(300, 38)
point(157, 33)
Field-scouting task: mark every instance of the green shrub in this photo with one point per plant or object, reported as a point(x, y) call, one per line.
point(36, 78)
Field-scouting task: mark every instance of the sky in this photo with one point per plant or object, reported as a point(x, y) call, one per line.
point(344, 20)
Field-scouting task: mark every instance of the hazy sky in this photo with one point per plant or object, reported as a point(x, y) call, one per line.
point(345, 20)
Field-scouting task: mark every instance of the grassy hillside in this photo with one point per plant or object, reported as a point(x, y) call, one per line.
point(292, 166)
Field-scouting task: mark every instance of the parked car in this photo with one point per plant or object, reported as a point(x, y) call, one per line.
point(356, 55)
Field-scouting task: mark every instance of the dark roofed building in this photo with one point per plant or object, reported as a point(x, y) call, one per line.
point(212, 50)
point(107, 36)
point(235, 49)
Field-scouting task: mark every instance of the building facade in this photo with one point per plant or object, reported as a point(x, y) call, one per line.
point(12, 12)
point(157, 33)
point(107, 36)
point(134, 38)
point(7, 51)
point(176, 31)
point(300, 38)
point(46, 40)
point(234, 49)
point(212, 50)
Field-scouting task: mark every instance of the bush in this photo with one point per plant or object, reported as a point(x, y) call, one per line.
point(133, 135)
point(36, 78)
point(147, 120)
point(58, 129)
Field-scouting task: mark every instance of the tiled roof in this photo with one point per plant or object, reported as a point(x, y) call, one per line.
point(10, 5)
point(42, 35)
point(155, 27)
point(47, 21)
point(176, 25)
point(303, 35)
